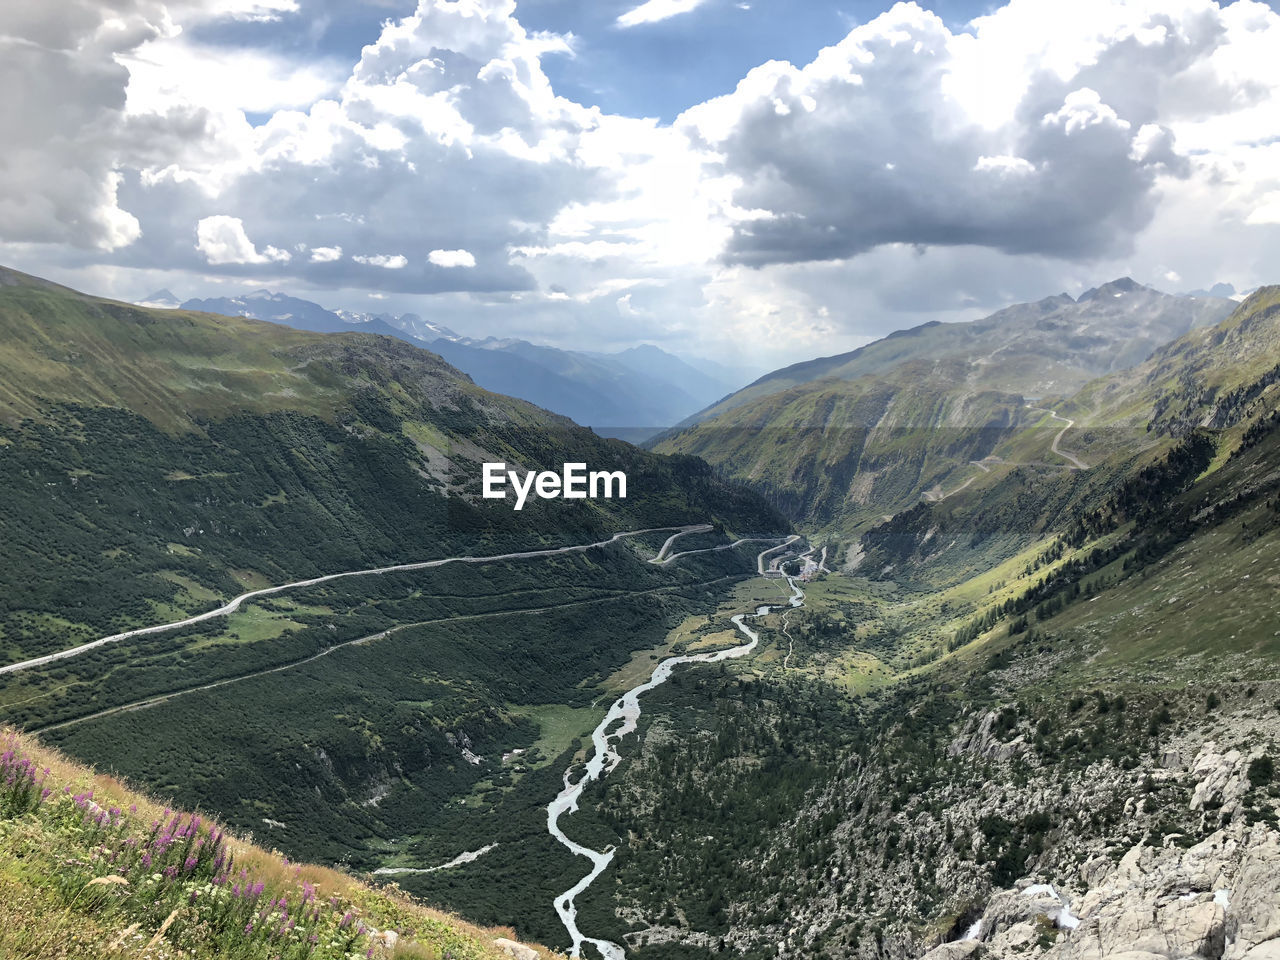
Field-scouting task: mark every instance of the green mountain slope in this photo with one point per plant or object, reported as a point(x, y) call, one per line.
point(1053, 678)
point(837, 451)
point(155, 464)
point(1050, 347)
point(852, 451)
point(155, 459)
point(1208, 377)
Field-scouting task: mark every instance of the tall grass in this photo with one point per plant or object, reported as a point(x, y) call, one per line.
point(147, 881)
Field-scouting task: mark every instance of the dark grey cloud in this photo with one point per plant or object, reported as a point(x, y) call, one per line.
point(869, 145)
point(62, 117)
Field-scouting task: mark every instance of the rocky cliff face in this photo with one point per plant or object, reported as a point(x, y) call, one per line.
point(1218, 898)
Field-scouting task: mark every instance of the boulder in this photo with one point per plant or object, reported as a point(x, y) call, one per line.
point(516, 951)
point(1193, 927)
point(978, 738)
point(956, 950)
point(1220, 779)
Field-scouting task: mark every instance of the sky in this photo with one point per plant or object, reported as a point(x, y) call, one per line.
point(757, 181)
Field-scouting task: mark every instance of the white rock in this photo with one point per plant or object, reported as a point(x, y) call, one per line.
point(516, 951)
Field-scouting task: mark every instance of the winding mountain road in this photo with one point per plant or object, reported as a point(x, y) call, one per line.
point(662, 560)
point(158, 699)
point(1076, 461)
point(232, 606)
point(773, 564)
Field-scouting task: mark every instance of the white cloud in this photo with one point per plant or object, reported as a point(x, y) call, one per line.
point(1005, 165)
point(1267, 211)
point(912, 169)
point(874, 143)
point(451, 258)
point(388, 261)
point(60, 116)
point(223, 240)
point(254, 10)
point(168, 72)
point(653, 11)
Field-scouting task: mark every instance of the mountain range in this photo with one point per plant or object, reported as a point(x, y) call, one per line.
point(1020, 701)
point(630, 394)
point(851, 438)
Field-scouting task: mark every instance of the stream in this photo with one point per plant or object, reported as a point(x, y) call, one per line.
point(605, 757)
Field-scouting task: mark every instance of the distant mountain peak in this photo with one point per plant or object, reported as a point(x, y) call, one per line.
point(162, 298)
point(1220, 289)
point(1114, 288)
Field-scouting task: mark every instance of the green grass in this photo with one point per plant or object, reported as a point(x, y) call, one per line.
point(559, 725)
point(62, 898)
point(1208, 609)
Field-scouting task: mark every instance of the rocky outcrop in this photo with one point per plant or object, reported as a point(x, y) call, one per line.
point(514, 950)
point(1220, 781)
point(979, 738)
point(1253, 926)
point(1218, 900)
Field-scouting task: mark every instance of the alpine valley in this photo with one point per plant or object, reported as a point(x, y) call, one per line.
point(961, 644)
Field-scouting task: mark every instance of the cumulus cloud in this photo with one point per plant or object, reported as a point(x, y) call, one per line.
point(451, 258)
point(884, 138)
point(445, 136)
point(223, 240)
point(909, 170)
point(60, 119)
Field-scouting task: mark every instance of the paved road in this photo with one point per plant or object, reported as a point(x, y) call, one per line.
point(773, 566)
point(932, 497)
point(703, 528)
point(233, 605)
point(1079, 464)
point(455, 618)
point(699, 528)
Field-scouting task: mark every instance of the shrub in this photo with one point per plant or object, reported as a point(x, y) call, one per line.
point(1261, 770)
